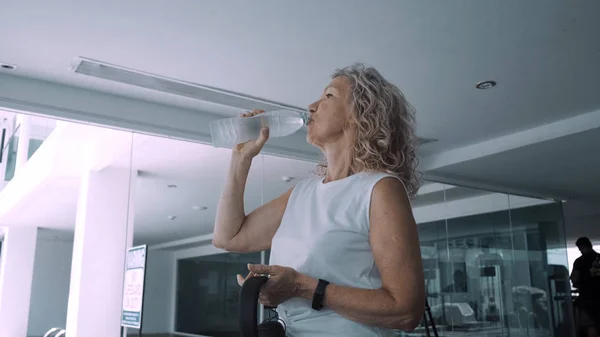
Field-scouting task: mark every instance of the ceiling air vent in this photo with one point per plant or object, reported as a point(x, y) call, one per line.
point(173, 86)
point(111, 72)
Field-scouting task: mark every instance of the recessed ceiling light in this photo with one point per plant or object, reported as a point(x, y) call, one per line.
point(172, 217)
point(7, 66)
point(485, 85)
point(172, 186)
point(202, 208)
point(287, 179)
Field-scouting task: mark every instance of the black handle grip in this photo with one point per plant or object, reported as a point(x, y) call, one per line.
point(2, 144)
point(248, 306)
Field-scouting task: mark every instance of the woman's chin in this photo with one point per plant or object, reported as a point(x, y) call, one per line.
point(310, 139)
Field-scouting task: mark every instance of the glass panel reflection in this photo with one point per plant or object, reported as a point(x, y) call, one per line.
point(207, 293)
point(546, 299)
point(430, 215)
point(495, 265)
point(479, 246)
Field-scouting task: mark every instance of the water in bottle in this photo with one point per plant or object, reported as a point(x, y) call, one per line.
point(231, 131)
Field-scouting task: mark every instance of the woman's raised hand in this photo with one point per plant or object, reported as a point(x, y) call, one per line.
point(251, 149)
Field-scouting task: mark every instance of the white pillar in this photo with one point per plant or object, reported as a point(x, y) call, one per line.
point(16, 275)
point(24, 122)
point(103, 232)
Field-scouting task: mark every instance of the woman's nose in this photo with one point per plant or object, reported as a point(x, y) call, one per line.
point(313, 107)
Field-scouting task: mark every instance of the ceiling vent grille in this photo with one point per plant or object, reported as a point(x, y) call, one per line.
point(172, 86)
point(111, 72)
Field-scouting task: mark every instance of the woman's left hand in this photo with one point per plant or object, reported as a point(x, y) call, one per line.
point(283, 284)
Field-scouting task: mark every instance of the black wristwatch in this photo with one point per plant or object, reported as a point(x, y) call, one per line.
point(317, 302)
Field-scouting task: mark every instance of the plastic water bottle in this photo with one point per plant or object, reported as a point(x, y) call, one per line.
point(228, 132)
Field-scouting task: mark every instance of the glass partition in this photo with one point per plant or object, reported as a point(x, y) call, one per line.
point(495, 264)
point(15, 126)
point(191, 286)
point(71, 208)
point(208, 293)
point(544, 296)
point(176, 194)
point(479, 245)
point(432, 235)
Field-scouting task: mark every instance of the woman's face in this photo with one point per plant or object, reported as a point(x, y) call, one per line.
point(330, 114)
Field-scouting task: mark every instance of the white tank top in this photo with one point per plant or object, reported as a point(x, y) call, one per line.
point(324, 233)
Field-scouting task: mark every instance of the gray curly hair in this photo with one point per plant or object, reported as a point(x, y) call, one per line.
point(385, 127)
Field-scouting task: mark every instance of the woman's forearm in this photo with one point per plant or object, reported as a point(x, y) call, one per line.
point(230, 211)
point(375, 307)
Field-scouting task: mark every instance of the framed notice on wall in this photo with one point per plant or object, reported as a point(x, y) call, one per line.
point(133, 289)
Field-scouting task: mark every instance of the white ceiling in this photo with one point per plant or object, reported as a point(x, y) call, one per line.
point(543, 54)
point(568, 166)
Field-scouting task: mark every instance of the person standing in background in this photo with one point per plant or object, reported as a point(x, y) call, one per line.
point(586, 278)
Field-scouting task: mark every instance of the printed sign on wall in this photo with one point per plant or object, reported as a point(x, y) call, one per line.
point(133, 290)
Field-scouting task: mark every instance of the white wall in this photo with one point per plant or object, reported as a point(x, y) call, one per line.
point(50, 287)
point(159, 293)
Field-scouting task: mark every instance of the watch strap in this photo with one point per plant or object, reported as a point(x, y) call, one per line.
point(319, 295)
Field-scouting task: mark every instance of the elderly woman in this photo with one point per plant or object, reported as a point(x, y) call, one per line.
point(345, 257)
